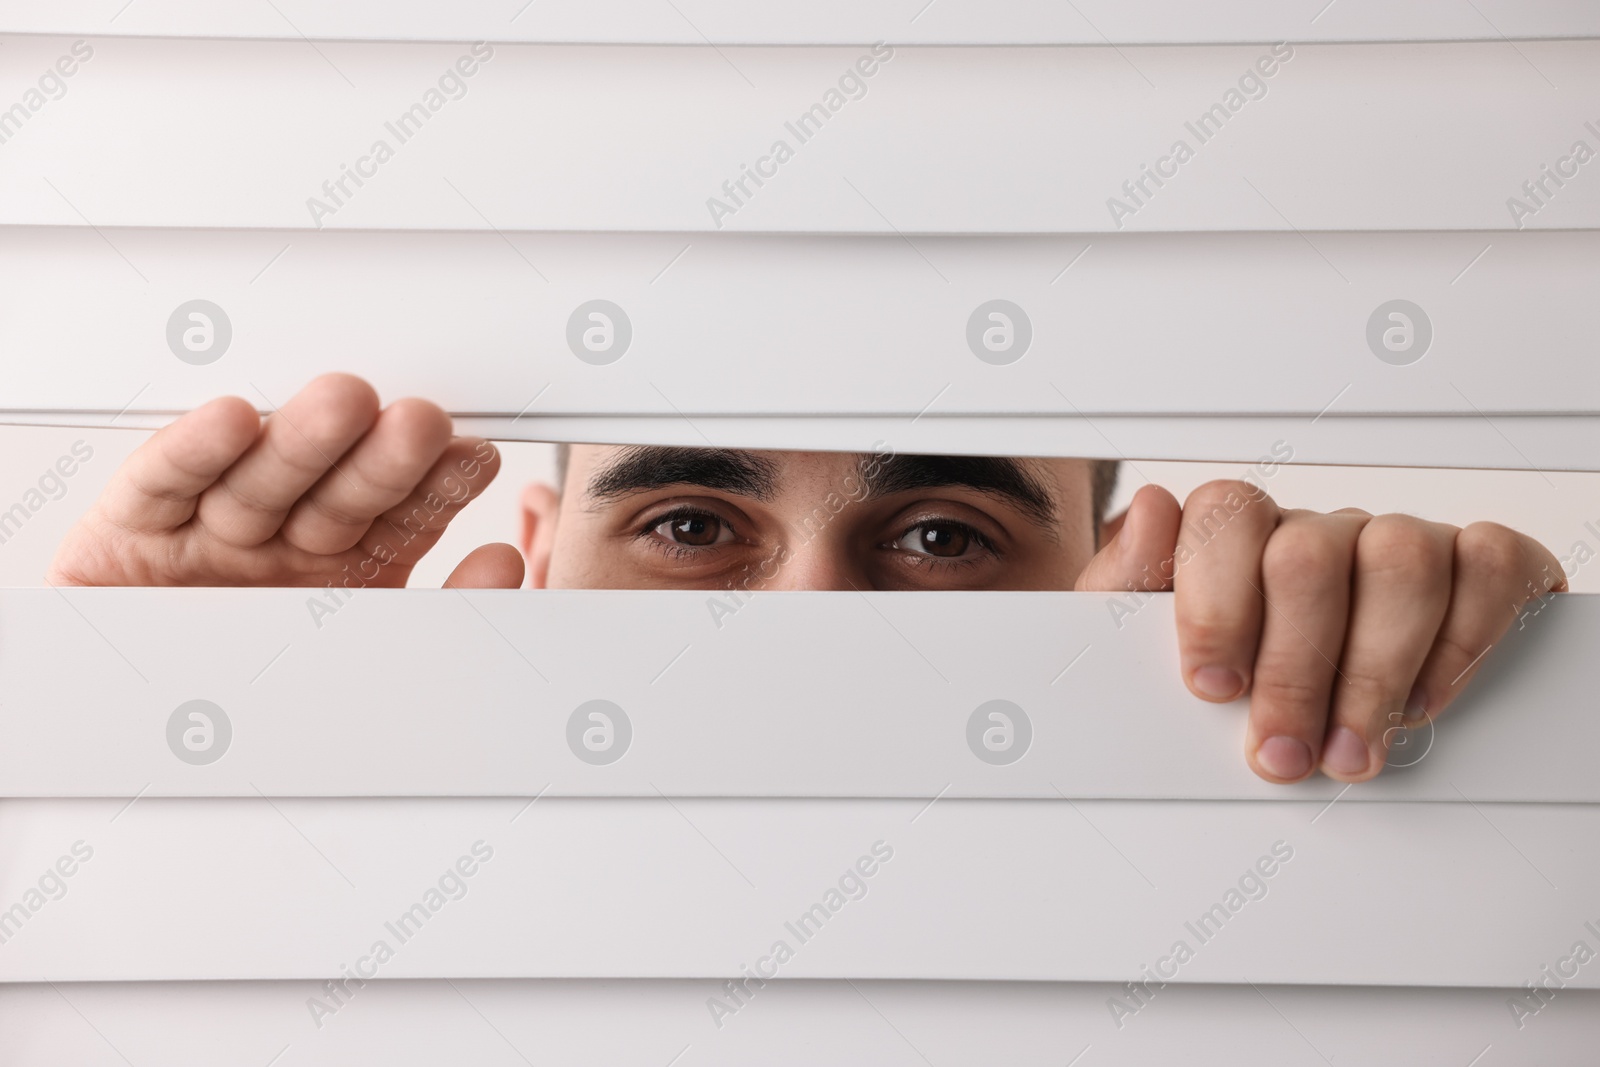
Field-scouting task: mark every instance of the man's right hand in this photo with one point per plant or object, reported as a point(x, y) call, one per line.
point(326, 489)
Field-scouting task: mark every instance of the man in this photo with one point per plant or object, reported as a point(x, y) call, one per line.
point(1338, 626)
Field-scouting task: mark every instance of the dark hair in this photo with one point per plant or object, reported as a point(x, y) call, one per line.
point(1102, 479)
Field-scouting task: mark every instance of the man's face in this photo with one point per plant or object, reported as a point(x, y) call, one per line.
point(701, 518)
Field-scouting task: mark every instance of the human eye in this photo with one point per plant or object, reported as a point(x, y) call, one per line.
point(943, 541)
point(685, 530)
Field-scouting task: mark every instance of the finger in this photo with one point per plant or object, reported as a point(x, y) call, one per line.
point(299, 443)
point(405, 533)
point(1497, 572)
point(497, 566)
point(156, 488)
point(1226, 525)
point(1305, 584)
point(1138, 557)
point(378, 473)
point(1399, 592)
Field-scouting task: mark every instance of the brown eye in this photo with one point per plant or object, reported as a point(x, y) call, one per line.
point(945, 540)
point(697, 531)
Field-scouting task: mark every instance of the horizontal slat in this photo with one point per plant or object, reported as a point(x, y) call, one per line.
point(817, 22)
point(939, 140)
point(420, 1024)
point(417, 692)
point(1527, 443)
point(1207, 324)
point(691, 888)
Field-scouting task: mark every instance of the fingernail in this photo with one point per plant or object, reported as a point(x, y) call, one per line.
point(1218, 683)
point(1346, 752)
point(1416, 707)
point(1284, 757)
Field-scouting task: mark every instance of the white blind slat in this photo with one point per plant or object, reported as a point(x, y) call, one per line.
point(161, 132)
point(346, 696)
point(975, 889)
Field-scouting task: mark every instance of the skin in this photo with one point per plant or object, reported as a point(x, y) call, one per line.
point(1338, 627)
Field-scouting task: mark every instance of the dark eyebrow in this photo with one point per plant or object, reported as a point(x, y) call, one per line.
point(643, 468)
point(999, 475)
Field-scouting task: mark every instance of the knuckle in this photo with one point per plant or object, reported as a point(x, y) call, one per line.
point(304, 450)
point(387, 489)
point(347, 413)
point(1301, 558)
point(1290, 691)
point(1220, 491)
point(247, 498)
point(1206, 631)
point(1487, 548)
point(1401, 545)
point(335, 513)
point(346, 391)
point(1453, 655)
point(1214, 505)
point(420, 421)
point(1366, 690)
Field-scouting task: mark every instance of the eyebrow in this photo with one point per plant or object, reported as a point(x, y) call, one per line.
point(996, 475)
point(644, 468)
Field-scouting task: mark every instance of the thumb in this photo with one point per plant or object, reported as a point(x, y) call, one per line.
point(497, 566)
point(1139, 554)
